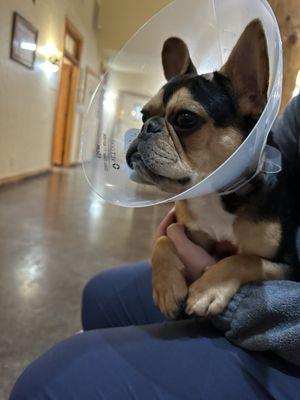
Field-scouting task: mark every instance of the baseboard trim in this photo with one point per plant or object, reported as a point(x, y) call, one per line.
point(70, 165)
point(75, 164)
point(27, 175)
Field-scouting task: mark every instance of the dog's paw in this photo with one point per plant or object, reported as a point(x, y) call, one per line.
point(209, 296)
point(170, 294)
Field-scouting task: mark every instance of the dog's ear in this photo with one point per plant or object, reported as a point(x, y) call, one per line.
point(176, 58)
point(248, 70)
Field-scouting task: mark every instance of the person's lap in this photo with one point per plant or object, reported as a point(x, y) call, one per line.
point(128, 351)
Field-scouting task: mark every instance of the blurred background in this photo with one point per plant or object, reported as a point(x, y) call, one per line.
point(55, 233)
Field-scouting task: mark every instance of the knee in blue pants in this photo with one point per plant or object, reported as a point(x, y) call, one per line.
point(94, 294)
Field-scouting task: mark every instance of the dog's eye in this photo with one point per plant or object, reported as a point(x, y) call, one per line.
point(186, 120)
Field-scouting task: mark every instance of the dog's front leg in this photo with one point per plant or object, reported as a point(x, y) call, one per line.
point(210, 294)
point(168, 278)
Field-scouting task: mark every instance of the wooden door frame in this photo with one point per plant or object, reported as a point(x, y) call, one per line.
point(71, 30)
point(76, 35)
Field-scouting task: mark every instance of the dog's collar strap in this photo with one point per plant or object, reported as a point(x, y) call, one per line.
point(270, 163)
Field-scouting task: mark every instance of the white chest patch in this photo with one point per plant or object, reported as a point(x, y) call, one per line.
point(212, 218)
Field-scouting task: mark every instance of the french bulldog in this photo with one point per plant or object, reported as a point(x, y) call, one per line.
point(190, 127)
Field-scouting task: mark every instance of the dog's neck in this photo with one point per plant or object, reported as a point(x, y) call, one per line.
point(215, 214)
point(211, 217)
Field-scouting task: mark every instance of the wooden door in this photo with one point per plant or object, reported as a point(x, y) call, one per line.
point(66, 107)
point(70, 115)
point(67, 96)
point(61, 122)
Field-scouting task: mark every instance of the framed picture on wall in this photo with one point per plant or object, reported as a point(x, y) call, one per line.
point(23, 41)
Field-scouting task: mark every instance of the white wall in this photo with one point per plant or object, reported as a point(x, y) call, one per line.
point(28, 98)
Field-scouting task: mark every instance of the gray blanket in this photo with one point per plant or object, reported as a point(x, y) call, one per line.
point(263, 317)
point(266, 316)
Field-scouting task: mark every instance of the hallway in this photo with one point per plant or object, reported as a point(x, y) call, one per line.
point(55, 235)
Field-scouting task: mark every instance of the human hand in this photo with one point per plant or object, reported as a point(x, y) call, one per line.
point(195, 258)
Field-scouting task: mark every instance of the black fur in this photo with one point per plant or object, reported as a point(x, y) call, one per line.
point(275, 197)
point(216, 96)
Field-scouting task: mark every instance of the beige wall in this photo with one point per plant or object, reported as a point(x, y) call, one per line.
point(28, 98)
point(121, 18)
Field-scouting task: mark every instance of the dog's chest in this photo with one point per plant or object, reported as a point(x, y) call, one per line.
point(211, 218)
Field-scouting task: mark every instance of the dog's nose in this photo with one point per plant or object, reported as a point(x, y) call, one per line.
point(130, 152)
point(152, 125)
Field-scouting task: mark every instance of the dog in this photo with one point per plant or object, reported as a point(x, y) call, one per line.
point(190, 127)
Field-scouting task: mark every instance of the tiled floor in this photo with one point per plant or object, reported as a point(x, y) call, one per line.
point(55, 235)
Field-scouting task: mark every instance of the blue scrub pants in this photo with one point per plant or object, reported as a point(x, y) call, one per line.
point(128, 351)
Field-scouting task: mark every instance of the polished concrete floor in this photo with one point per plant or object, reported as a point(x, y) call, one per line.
point(55, 235)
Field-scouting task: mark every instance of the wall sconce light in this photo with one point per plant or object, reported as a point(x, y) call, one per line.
point(51, 57)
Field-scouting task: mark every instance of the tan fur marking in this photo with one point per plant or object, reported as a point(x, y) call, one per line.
point(211, 148)
point(168, 277)
point(183, 99)
point(183, 213)
point(261, 239)
point(186, 217)
point(155, 105)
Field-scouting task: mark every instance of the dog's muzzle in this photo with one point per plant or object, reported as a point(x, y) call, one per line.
point(151, 127)
point(153, 155)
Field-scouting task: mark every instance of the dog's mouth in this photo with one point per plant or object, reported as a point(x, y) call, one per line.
point(136, 163)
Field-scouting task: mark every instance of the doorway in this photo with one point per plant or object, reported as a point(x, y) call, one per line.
point(67, 96)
